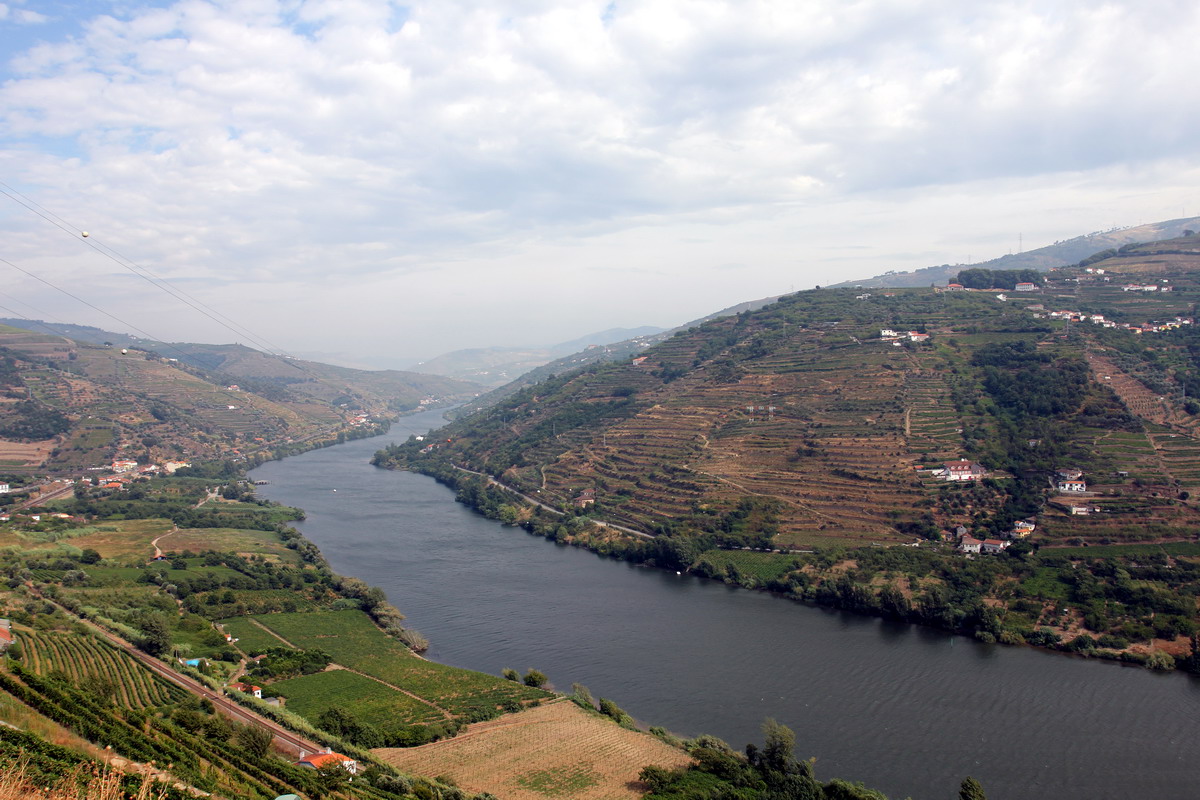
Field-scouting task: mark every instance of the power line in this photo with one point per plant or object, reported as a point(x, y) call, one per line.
point(142, 272)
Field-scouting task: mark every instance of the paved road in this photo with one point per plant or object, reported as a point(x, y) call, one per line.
point(551, 509)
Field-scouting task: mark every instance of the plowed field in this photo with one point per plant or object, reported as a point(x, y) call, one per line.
point(555, 750)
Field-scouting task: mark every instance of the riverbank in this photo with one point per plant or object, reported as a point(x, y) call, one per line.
point(993, 599)
point(873, 699)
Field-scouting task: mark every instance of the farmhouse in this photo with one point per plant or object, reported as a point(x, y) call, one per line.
point(963, 471)
point(124, 466)
point(1072, 486)
point(917, 336)
point(953, 287)
point(970, 544)
point(246, 688)
point(318, 760)
point(1025, 287)
point(1069, 474)
point(993, 545)
point(1023, 528)
point(5, 488)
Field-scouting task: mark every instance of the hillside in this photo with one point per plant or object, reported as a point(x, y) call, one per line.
point(496, 366)
point(615, 351)
point(372, 389)
point(1069, 251)
point(802, 412)
point(71, 405)
point(1032, 449)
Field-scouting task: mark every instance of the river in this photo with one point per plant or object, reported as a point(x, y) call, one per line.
point(905, 710)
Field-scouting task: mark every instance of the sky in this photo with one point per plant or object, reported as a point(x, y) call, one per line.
point(382, 183)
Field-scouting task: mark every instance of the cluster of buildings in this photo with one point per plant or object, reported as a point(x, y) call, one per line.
point(1040, 312)
point(889, 335)
point(969, 544)
point(123, 472)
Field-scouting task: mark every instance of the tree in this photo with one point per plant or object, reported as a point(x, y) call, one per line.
point(535, 678)
point(89, 556)
point(971, 790)
point(511, 674)
point(254, 740)
point(156, 637)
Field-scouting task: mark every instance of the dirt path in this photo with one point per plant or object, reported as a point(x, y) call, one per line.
point(748, 490)
point(416, 697)
point(154, 543)
point(493, 482)
point(258, 624)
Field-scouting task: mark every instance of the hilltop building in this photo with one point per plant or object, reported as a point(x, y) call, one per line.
point(961, 471)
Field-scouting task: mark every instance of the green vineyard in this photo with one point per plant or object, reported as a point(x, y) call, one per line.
point(84, 659)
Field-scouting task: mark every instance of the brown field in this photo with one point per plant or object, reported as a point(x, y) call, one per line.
point(243, 542)
point(31, 454)
point(555, 750)
point(122, 539)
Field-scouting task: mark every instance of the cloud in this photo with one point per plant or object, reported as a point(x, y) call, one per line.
point(245, 143)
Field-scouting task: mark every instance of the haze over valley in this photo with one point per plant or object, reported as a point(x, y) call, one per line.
point(599, 400)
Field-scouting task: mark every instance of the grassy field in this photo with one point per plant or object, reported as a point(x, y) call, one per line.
point(251, 638)
point(122, 539)
point(354, 641)
point(552, 751)
point(236, 540)
point(371, 701)
point(1105, 551)
point(762, 566)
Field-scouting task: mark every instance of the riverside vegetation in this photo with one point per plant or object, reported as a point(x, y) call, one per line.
point(242, 596)
point(792, 448)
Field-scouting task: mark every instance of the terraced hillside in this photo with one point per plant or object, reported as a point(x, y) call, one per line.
point(66, 406)
point(801, 423)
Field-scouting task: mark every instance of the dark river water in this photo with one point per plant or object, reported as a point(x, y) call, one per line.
point(905, 710)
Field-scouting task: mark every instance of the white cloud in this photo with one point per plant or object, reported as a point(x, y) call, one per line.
point(367, 145)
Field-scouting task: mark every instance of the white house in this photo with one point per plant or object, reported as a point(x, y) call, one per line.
point(993, 545)
point(970, 544)
point(1025, 287)
point(963, 471)
point(5, 488)
point(1072, 486)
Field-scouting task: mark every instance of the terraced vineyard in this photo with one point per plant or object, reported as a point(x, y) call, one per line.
point(800, 410)
point(85, 658)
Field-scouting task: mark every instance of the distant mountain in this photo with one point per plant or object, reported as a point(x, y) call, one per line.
point(808, 421)
point(1070, 251)
point(616, 351)
point(496, 366)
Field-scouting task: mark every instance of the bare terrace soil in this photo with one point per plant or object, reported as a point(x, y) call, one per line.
point(554, 750)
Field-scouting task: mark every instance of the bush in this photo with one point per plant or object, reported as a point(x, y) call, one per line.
point(1159, 660)
point(535, 679)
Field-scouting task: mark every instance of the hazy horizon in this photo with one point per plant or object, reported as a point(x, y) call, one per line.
point(432, 177)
